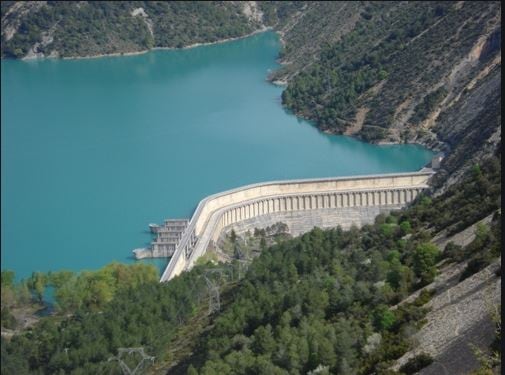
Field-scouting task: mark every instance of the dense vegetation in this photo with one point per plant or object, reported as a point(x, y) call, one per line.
point(87, 290)
point(481, 194)
point(100, 27)
point(13, 295)
point(134, 310)
point(320, 302)
point(178, 24)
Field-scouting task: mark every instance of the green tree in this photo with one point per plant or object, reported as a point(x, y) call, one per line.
point(383, 318)
point(425, 257)
point(263, 244)
point(8, 294)
point(264, 342)
point(453, 251)
point(60, 278)
point(7, 278)
point(37, 284)
point(233, 236)
point(405, 227)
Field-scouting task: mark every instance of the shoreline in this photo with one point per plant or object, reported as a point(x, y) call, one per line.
point(257, 31)
point(134, 53)
point(435, 149)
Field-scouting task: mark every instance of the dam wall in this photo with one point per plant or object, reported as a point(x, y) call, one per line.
point(306, 203)
point(300, 222)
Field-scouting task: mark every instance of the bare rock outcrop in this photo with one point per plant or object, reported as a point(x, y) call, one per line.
point(460, 317)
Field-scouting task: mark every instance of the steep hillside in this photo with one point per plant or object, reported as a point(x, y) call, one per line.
point(390, 67)
point(424, 72)
point(470, 128)
point(462, 314)
point(308, 27)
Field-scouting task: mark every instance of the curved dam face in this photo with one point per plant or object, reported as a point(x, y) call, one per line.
point(302, 204)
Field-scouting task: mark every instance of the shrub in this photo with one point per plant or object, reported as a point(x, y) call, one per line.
point(383, 318)
point(474, 266)
point(424, 297)
point(425, 258)
point(453, 251)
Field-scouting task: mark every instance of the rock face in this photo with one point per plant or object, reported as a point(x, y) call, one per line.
point(252, 11)
point(470, 128)
point(14, 12)
point(460, 316)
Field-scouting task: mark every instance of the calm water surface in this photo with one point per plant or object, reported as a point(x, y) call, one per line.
point(92, 151)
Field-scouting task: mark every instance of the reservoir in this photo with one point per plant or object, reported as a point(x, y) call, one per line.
point(94, 150)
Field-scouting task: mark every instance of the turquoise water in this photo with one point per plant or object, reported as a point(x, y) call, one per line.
point(92, 151)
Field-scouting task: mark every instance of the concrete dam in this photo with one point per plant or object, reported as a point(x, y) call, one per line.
point(301, 204)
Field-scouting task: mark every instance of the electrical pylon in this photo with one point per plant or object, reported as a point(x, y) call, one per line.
point(124, 367)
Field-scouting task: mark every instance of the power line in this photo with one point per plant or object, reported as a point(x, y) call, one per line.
point(214, 297)
point(145, 359)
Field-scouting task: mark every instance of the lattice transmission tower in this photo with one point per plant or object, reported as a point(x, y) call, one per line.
point(214, 296)
point(145, 360)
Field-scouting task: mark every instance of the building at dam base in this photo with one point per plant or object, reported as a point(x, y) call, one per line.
point(301, 204)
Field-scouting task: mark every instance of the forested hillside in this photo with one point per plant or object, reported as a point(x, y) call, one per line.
point(398, 64)
point(320, 303)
